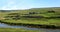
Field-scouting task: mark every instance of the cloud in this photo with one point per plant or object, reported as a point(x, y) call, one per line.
point(9, 6)
point(14, 5)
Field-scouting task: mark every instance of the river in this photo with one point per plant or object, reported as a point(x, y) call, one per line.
point(2, 25)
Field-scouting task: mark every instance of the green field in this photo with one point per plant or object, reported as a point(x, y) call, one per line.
point(41, 22)
point(39, 16)
point(48, 16)
point(17, 30)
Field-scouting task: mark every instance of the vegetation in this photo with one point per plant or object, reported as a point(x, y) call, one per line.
point(42, 16)
point(35, 16)
point(16, 30)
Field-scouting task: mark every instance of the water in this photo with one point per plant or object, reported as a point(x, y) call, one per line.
point(2, 25)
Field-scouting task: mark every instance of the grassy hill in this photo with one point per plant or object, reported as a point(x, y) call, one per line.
point(44, 16)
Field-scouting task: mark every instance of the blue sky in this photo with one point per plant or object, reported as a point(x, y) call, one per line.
point(26, 4)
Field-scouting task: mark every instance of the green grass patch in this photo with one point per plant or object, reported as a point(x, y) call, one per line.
point(55, 22)
point(17, 30)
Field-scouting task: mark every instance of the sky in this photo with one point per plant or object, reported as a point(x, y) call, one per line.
point(27, 4)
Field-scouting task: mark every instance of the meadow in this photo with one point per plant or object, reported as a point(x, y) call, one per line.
point(16, 30)
point(39, 16)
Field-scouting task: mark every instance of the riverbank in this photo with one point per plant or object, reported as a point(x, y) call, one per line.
point(31, 25)
point(16, 30)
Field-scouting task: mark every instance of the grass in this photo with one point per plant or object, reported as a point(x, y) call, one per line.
point(17, 30)
point(43, 21)
point(55, 22)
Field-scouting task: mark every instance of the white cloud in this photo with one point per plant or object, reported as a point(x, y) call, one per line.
point(12, 5)
point(9, 6)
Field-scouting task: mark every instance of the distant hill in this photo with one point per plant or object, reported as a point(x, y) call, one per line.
point(35, 9)
point(4, 11)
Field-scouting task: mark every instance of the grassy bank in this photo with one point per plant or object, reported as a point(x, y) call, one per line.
point(55, 22)
point(16, 30)
point(36, 24)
